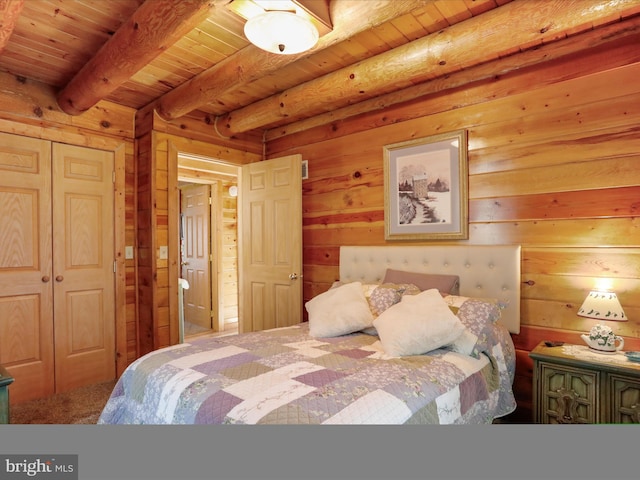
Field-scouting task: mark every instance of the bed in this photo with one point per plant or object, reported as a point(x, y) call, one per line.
point(425, 356)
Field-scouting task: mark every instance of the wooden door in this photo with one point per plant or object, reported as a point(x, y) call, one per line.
point(270, 272)
point(196, 258)
point(83, 266)
point(26, 292)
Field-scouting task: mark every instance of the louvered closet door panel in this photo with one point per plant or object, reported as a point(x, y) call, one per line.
point(83, 245)
point(26, 299)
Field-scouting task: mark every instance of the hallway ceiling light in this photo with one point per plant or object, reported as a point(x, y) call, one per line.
point(281, 32)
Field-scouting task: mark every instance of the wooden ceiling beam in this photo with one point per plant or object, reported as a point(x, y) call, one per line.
point(610, 37)
point(349, 17)
point(154, 27)
point(481, 39)
point(9, 12)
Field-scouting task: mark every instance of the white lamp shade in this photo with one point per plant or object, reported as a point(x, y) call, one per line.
point(281, 32)
point(602, 306)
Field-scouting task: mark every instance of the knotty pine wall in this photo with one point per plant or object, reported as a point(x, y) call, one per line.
point(554, 165)
point(229, 267)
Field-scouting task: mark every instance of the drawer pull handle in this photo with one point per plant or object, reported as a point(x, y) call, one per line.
point(567, 406)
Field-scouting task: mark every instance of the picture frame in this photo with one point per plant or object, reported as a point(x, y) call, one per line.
point(426, 188)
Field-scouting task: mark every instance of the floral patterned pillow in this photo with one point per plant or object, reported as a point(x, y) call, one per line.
point(478, 315)
point(388, 294)
point(367, 288)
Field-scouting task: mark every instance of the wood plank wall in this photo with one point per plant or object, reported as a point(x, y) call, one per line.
point(553, 166)
point(229, 267)
point(145, 245)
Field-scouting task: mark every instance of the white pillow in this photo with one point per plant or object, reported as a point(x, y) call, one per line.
point(339, 311)
point(417, 324)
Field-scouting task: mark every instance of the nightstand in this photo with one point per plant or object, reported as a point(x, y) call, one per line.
point(572, 384)
point(5, 381)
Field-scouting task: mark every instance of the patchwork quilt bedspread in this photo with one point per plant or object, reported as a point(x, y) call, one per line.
point(285, 376)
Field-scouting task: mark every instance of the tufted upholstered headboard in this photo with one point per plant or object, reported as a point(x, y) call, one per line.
point(489, 271)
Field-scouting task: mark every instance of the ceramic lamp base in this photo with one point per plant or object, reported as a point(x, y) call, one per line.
point(603, 352)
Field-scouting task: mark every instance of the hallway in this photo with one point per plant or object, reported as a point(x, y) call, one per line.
point(192, 330)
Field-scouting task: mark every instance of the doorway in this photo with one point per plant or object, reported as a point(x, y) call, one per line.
point(196, 259)
point(208, 246)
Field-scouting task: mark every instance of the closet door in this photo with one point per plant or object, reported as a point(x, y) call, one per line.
point(83, 266)
point(26, 294)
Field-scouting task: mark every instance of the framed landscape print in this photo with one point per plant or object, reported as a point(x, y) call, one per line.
point(426, 188)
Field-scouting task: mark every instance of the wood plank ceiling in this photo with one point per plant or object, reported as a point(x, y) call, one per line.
point(191, 58)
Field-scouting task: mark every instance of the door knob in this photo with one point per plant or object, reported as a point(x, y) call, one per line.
point(184, 263)
point(59, 278)
point(293, 276)
point(45, 279)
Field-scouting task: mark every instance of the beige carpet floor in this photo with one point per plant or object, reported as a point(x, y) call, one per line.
point(80, 406)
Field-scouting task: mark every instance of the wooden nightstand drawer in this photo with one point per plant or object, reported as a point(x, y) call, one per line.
point(574, 385)
point(568, 395)
point(624, 399)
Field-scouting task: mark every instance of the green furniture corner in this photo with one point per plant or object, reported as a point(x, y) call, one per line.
point(5, 381)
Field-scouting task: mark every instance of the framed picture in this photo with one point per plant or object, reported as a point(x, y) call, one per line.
point(426, 188)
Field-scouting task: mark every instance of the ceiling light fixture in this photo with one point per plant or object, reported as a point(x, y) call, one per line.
point(281, 32)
